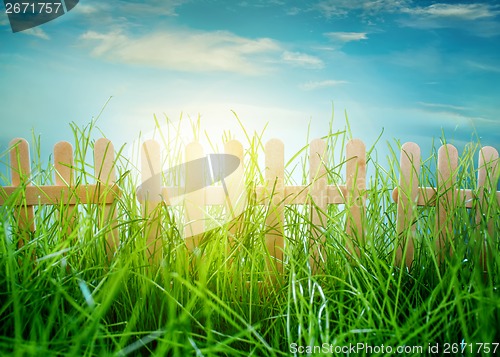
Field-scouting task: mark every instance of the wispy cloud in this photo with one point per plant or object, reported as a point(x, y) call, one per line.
point(478, 19)
point(190, 51)
point(312, 85)
point(438, 15)
point(443, 106)
point(346, 36)
point(37, 32)
point(123, 14)
point(293, 11)
point(261, 3)
point(4, 21)
point(440, 115)
point(302, 60)
point(457, 11)
point(483, 66)
point(336, 8)
point(87, 9)
point(154, 7)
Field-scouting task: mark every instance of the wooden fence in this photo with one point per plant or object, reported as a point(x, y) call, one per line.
point(444, 197)
point(23, 195)
point(274, 194)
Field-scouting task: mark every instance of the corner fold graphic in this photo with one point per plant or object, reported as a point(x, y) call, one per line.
point(24, 15)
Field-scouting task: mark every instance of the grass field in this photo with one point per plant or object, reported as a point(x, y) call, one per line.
point(69, 301)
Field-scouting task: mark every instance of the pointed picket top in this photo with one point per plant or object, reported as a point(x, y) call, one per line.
point(151, 187)
point(104, 159)
point(63, 163)
point(20, 161)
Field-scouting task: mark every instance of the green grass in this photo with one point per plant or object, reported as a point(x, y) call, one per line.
point(72, 302)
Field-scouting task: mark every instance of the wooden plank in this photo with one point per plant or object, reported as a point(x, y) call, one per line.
point(235, 191)
point(298, 195)
point(487, 180)
point(446, 178)
point(337, 194)
point(55, 195)
point(356, 187)
point(275, 194)
point(408, 184)
point(63, 163)
point(318, 193)
point(20, 175)
point(427, 197)
point(214, 195)
point(104, 168)
point(194, 200)
point(63, 166)
point(151, 193)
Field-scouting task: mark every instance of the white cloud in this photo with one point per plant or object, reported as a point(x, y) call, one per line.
point(302, 60)
point(37, 32)
point(335, 8)
point(346, 36)
point(87, 9)
point(261, 3)
point(322, 84)
point(189, 51)
point(438, 15)
point(293, 11)
point(478, 19)
point(153, 7)
point(457, 11)
point(113, 14)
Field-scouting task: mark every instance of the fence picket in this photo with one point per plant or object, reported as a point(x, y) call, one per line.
point(151, 192)
point(408, 186)
point(104, 166)
point(234, 187)
point(487, 178)
point(356, 188)
point(194, 202)
point(275, 199)
point(446, 178)
point(20, 175)
point(63, 165)
point(318, 192)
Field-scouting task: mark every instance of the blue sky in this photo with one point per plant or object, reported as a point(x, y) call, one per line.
point(414, 69)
